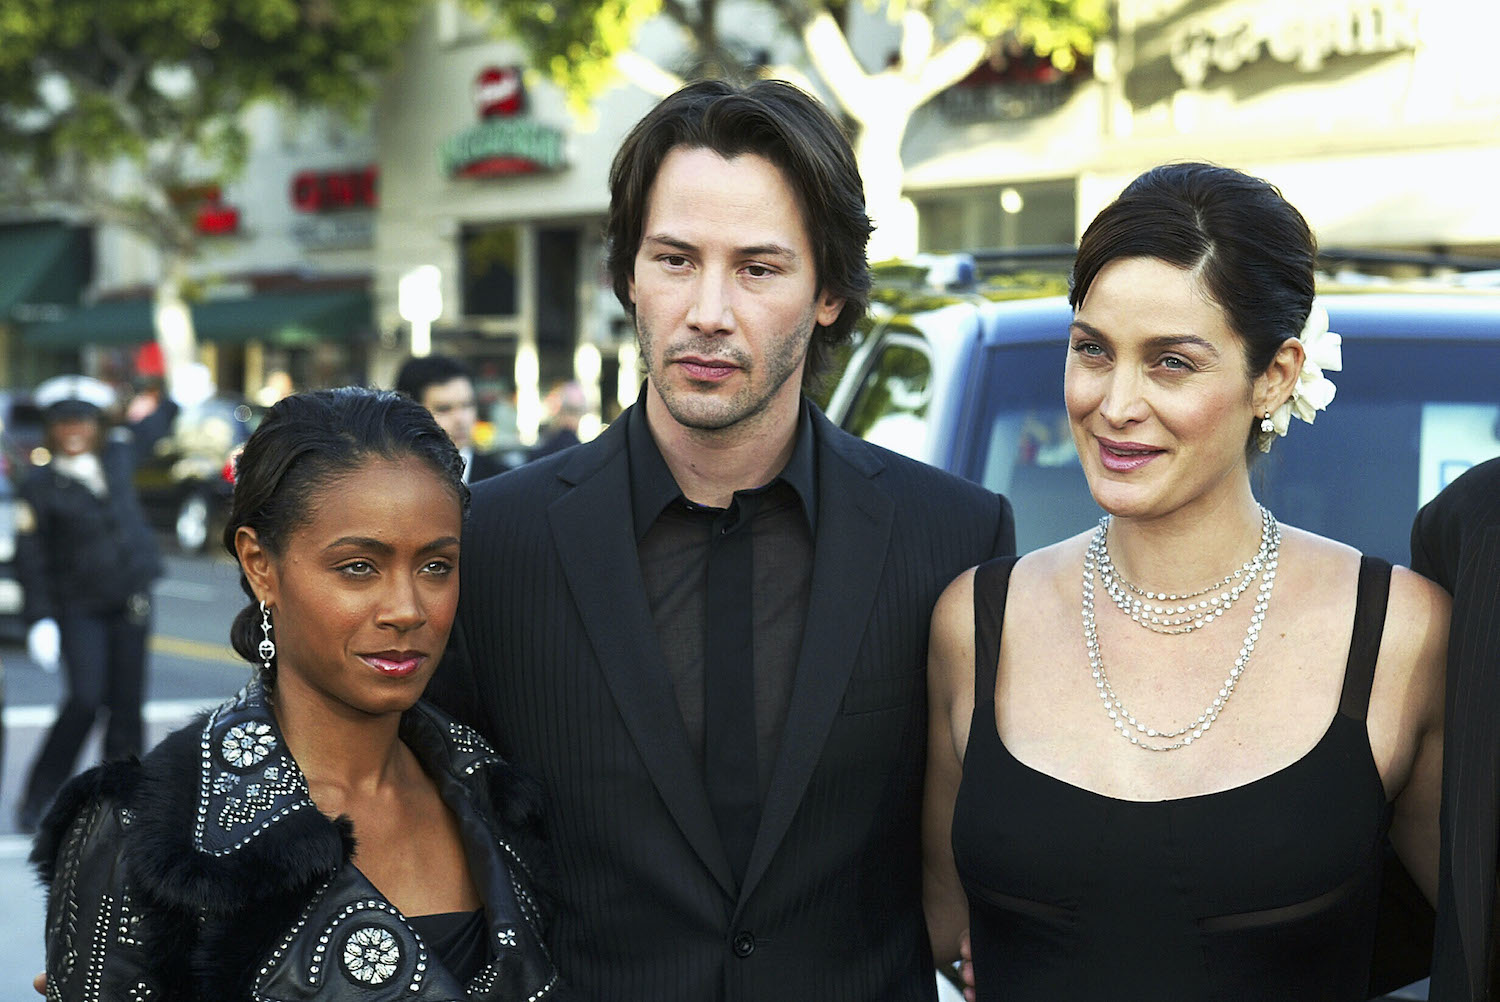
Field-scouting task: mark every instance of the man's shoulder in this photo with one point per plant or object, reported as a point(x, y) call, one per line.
point(911, 477)
point(553, 471)
point(1474, 495)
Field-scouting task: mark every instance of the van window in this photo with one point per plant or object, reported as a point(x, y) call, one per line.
point(1409, 417)
point(890, 408)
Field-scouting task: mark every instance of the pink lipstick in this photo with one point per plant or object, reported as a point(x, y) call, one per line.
point(395, 664)
point(1125, 457)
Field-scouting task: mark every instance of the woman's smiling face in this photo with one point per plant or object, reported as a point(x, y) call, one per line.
point(1156, 390)
point(364, 592)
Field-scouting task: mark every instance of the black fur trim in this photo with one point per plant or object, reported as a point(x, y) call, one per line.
point(113, 780)
point(304, 849)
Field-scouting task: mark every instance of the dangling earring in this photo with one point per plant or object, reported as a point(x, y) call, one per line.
point(267, 648)
point(1266, 424)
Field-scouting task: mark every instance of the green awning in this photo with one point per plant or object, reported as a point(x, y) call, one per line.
point(286, 318)
point(124, 321)
point(41, 264)
point(282, 318)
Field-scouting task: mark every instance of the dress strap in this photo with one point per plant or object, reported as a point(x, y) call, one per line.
point(991, 583)
point(1364, 646)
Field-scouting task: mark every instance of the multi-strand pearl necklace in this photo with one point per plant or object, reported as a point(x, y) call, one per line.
point(1126, 725)
point(1189, 611)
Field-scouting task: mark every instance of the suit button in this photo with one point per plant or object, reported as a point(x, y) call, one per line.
point(743, 944)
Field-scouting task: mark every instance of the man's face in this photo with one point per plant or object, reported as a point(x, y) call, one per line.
point(452, 404)
point(725, 292)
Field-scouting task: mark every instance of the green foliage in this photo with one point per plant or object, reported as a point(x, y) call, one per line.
point(84, 82)
point(573, 43)
point(1061, 30)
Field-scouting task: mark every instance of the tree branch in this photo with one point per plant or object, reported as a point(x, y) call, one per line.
point(950, 64)
point(677, 11)
point(828, 50)
point(646, 75)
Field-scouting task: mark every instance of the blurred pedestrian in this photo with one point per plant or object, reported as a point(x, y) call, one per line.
point(86, 558)
point(150, 414)
point(445, 386)
point(566, 405)
point(1455, 541)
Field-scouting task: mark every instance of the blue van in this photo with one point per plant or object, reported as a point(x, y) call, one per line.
point(976, 388)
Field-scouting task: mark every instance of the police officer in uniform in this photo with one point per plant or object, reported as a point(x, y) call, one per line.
point(86, 559)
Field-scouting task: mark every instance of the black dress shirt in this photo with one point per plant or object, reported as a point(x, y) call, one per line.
point(673, 539)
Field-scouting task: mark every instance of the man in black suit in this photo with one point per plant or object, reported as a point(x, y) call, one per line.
point(706, 630)
point(1455, 541)
point(445, 386)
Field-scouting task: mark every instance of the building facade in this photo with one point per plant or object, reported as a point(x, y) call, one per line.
point(1379, 119)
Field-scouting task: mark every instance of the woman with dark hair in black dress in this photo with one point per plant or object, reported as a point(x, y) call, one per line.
point(1165, 754)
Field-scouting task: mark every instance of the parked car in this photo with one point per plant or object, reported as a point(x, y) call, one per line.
point(976, 388)
point(185, 481)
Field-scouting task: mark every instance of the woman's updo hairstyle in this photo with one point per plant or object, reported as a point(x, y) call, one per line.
point(1251, 249)
point(305, 444)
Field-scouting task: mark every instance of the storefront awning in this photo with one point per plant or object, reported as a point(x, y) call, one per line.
point(41, 263)
point(283, 318)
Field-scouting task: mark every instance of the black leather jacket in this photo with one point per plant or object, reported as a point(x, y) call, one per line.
point(206, 872)
point(78, 551)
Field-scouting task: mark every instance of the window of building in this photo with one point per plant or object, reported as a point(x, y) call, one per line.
point(491, 259)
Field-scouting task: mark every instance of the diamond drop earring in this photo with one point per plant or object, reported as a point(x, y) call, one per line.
point(267, 648)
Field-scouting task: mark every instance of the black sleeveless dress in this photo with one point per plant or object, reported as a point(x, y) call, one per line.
point(1264, 891)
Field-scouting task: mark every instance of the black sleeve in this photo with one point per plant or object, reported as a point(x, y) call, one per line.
point(1005, 530)
point(1429, 556)
point(33, 564)
point(94, 936)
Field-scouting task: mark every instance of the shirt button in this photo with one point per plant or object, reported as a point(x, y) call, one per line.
point(743, 944)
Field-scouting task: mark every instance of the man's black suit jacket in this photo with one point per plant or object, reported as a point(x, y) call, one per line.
point(483, 466)
point(1456, 542)
point(556, 660)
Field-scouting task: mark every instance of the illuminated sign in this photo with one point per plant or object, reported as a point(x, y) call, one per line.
point(503, 143)
point(333, 190)
point(499, 92)
point(1305, 36)
point(204, 205)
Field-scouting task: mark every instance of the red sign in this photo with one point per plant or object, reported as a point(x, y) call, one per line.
point(498, 92)
point(216, 219)
point(204, 204)
point(332, 190)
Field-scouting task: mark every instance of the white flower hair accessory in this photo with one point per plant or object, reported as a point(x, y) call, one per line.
point(1314, 391)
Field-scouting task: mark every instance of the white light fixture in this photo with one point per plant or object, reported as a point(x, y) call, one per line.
point(419, 300)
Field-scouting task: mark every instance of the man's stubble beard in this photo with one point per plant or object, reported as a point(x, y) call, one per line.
point(710, 414)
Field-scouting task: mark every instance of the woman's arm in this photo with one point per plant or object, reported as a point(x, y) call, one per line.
point(1410, 688)
point(950, 700)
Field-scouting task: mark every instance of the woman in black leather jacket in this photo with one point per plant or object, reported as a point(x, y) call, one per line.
point(324, 834)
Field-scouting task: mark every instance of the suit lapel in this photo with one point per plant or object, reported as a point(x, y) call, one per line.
point(854, 527)
point(591, 528)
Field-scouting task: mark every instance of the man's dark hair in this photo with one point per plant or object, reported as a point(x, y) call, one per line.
point(792, 130)
point(417, 374)
point(305, 443)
